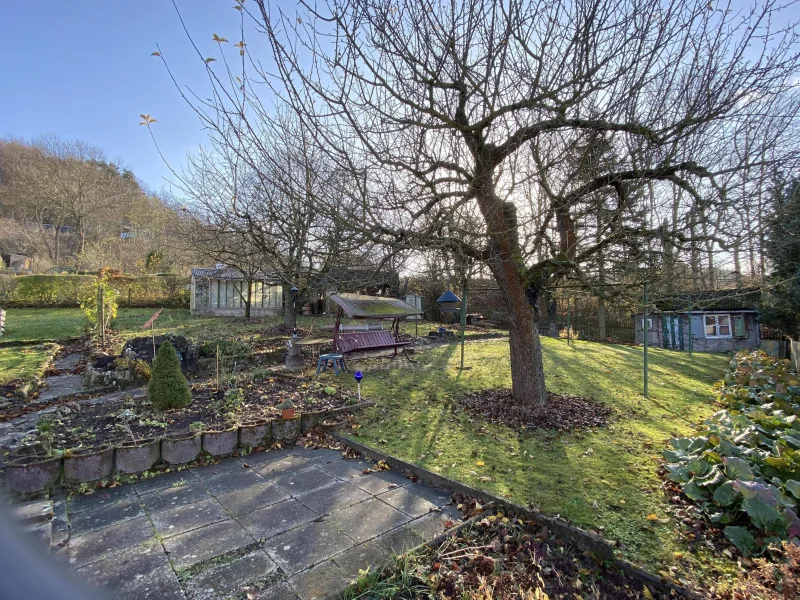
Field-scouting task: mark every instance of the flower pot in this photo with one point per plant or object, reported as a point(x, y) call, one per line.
point(29, 474)
point(181, 448)
point(287, 413)
point(89, 465)
point(286, 430)
point(221, 443)
point(255, 433)
point(135, 457)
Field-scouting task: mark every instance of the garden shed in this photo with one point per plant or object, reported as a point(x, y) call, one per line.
point(719, 321)
point(222, 291)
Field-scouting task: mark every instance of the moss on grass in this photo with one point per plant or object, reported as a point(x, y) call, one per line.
point(604, 478)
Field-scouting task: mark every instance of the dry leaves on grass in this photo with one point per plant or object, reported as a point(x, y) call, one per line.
point(560, 413)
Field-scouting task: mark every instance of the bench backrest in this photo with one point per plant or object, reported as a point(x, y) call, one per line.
point(364, 340)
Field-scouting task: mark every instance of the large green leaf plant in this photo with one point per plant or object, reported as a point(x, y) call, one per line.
point(743, 472)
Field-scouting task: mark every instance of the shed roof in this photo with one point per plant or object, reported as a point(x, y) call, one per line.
point(742, 299)
point(230, 273)
point(448, 296)
point(356, 306)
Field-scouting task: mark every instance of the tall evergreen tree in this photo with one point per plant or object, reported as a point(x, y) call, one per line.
point(781, 305)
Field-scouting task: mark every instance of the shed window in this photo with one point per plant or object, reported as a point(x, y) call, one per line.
point(649, 323)
point(718, 326)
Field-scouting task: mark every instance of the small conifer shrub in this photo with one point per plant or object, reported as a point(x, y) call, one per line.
point(168, 387)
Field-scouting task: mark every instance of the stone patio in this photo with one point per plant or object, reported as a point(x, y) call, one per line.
point(283, 524)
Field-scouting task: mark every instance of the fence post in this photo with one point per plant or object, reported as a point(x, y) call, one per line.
point(2, 322)
point(645, 332)
point(101, 313)
point(569, 342)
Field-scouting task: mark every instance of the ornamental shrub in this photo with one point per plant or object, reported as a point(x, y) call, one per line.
point(743, 471)
point(168, 387)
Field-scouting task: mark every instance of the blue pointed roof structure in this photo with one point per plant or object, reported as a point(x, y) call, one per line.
point(448, 296)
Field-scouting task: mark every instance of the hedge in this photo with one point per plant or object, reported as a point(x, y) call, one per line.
point(63, 291)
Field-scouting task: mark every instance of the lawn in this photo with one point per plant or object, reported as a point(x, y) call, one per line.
point(604, 479)
point(22, 362)
point(43, 324)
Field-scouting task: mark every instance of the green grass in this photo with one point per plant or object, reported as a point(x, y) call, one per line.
point(129, 324)
point(43, 324)
point(22, 362)
point(611, 488)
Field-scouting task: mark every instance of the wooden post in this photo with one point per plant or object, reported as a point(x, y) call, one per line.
point(101, 313)
point(463, 319)
point(644, 330)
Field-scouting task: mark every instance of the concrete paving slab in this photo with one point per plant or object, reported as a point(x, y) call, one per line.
point(232, 481)
point(333, 498)
point(415, 499)
point(318, 456)
point(319, 582)
point(266, 456)
point(289, 463)
point(144, 573)
point(163, 481)
point(175, 496)
point(205, 543)
point(306, 546)
point(278, 591)
point(181, 519)
point(382, 481)
point(33, 512)
point(307, 480)
point(252, 498)
point(346, 469)
point(360, 558)
point(273, 520)
point(104, 516)
point(310, 515)
point(91, 547)
point(229, 465)
point(100, 498)
point(228, 579)
point(68, 361)
point(61, 385)
point(367, 519)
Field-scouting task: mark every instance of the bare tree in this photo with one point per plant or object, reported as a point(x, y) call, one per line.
point(452, 107)
point(436, 113)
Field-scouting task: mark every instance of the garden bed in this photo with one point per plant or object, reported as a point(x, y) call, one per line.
point(210, 409)
point(502, 557)
point(561, 412)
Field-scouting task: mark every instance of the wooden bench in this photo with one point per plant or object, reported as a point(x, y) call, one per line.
point(366, 341)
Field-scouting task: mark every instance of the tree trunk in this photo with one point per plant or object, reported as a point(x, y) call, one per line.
point(289, 316)
point(248, 300)
point(601, 319)
point(527, 368)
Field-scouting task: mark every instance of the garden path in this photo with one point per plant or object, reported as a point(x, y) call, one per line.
point(284, 524)
point(65, 384)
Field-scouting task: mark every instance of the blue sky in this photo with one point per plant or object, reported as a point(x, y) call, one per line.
point(81, 69)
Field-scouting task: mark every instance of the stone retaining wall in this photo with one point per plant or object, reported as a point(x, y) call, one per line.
point(31, 474)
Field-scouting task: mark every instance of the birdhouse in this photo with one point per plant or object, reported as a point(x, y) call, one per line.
point(450, 303)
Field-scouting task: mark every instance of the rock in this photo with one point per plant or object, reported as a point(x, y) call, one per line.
point(142, 348)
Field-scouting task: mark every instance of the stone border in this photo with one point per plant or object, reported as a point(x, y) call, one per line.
point(580, 537)
point(26, 477)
